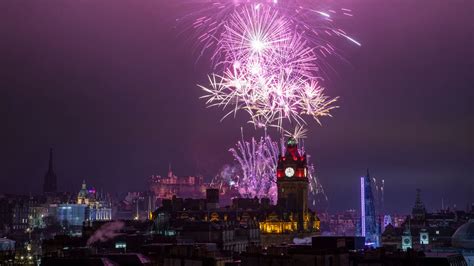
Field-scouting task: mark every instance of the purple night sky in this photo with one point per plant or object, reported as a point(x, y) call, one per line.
point(111, 86)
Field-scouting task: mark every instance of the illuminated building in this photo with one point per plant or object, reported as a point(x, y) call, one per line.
point(71, 214)
point(425, 230)
point(291, 214)
point(197, 220)
point(98, 208)
point(100, 213)
point(369, 226)
point(283, 224)
point(387, 219)
point(252, 221)
point(85, 196)
point(20, 214)
point(424, 237)
point(165, 187)
point(406, 239)
point(50, 180)
point(36, 216)
point(275, 224)
point(89, 207)
point(292, 182)
point(340, 224)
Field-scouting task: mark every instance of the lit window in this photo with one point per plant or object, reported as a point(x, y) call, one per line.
point(120, 245)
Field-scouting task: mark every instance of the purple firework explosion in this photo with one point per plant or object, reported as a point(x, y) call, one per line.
point(267, 57)
point(254, 175)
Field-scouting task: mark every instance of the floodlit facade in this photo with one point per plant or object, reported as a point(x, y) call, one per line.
point(71, 214)
point(369, 225)
point(292, 184)
point(98, 208)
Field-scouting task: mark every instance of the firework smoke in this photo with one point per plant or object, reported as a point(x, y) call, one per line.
point(106, 232)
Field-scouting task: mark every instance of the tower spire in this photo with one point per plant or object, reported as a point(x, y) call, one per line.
point(50, 180)
point(418, 211)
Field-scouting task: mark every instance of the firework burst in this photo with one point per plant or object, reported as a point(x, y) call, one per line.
point(255, 172)
point(311, 18)
point(298, 133)
point(257, 160)
point(267, 53)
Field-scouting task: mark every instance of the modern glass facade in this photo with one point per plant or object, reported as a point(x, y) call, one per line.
point(370, 227)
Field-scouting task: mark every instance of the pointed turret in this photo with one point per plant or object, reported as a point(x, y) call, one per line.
point(50, 180)
point(170, 171)
point(419, 210)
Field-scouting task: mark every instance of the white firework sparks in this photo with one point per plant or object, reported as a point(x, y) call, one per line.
point(255, 175)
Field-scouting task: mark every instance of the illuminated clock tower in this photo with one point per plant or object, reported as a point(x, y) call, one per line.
point(292, 182)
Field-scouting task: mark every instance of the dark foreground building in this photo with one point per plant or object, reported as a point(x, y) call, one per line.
point(344, 251)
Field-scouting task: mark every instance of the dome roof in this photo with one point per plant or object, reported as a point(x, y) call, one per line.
point(464, 236)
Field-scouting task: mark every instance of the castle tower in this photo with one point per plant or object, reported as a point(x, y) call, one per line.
point(50, 180)
point(292, 182)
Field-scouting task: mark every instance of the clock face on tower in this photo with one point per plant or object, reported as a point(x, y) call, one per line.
point(289, 172)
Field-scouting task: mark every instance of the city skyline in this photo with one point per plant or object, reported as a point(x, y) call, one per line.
point(118, 103)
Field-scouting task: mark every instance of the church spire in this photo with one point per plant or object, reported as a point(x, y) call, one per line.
point(50, 180)
point(418, 211)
